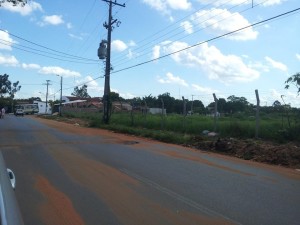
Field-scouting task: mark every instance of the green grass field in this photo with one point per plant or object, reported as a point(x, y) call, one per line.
point(177, 128)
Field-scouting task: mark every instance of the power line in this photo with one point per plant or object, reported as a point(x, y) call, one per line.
point(200, 43)
point(182, 31)
point(50, 49)
point(210, 40)
point(167, 32)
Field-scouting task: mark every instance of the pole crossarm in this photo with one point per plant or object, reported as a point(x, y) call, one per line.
point(114, 3)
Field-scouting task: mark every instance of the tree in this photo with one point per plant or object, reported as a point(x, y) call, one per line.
point(7, 87)
point(114, 96)
point(237, 104)
point(150, 101)
point(14, 2)
point(222, 105)
point(168, 102)
point(295, 80)
point(276, 104)
point(198, 106)
point(81, 92)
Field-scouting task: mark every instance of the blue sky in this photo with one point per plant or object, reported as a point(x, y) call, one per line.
point(260, 57)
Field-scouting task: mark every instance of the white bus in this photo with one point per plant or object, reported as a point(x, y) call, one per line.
point(28, 108)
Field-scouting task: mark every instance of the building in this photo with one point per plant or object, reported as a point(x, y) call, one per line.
point(42, 107)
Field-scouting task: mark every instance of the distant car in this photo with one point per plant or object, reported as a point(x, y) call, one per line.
point(19, 112)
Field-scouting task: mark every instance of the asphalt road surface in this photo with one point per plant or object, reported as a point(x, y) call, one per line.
point(70, 175)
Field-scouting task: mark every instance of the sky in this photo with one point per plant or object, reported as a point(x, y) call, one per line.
point(187, 48)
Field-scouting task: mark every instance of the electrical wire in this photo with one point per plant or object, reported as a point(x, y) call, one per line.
point(50, 49)
point(166, 29)
point(291, 12)
point(210, 40)
point(182, 31)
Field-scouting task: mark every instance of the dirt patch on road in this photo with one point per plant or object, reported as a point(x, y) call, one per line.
point(57, 208)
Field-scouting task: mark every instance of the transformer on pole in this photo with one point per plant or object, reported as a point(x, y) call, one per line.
point(104, 53)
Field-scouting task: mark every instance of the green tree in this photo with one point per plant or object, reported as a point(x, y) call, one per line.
point(114, 96)
point(14, 2)
point(198, 106)
point(81, 92)
point(295, 80)
point(237, 104)
point(222, 105)
point(7, 87)
point(150, 101)
point(169, 102)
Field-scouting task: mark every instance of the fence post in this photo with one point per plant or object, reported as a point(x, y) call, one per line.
point(257, 114)
point(162, 114)
point(215, 112)
point(145, 113)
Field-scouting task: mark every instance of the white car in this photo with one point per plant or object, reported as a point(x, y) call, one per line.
point(19, 112)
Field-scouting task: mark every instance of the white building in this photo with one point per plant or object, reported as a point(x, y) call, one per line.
point(42, 107)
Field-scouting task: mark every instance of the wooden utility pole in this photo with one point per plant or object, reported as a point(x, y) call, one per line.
point(109, 26)
point(257, 113)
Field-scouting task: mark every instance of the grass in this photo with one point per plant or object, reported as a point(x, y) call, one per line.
point(173, 127)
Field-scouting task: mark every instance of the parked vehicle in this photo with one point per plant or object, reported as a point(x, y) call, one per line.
point(19, 112)
point(28, 108)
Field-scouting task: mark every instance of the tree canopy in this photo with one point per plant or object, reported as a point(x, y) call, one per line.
point(7, 87)
point(81, 92)
point(295, 80)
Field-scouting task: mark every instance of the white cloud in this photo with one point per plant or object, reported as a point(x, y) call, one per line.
point(30, 66)
point(298, 56)
point(55, 70)
point(221, 21)
point(69, 25)
point(271, 2)
point(276, 64)
point(52, 20)
point(165, 6)
point(171, 79)
point(224, 68)
point(288, 97)
point(6, 60)
point(118, 45)
point(76, 37)
point(179, 4)
point(26, 10)
point(204, 90)
point(187, 26)
point(156, 52)
point(127, 95)
point(6, 41)
point(259, 66)
point(239, 2)
point(91, 83)
point(131, 43)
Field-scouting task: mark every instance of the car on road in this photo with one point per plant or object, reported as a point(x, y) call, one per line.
point(19, 112)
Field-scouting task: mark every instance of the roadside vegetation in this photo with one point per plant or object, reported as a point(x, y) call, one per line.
point(278, 142)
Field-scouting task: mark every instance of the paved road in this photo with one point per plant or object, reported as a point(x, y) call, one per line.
point(71, 175)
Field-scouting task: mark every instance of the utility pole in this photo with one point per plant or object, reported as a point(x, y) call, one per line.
point(109, 26)
point(192, 104)
point(46, 109)
point(61, 80)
